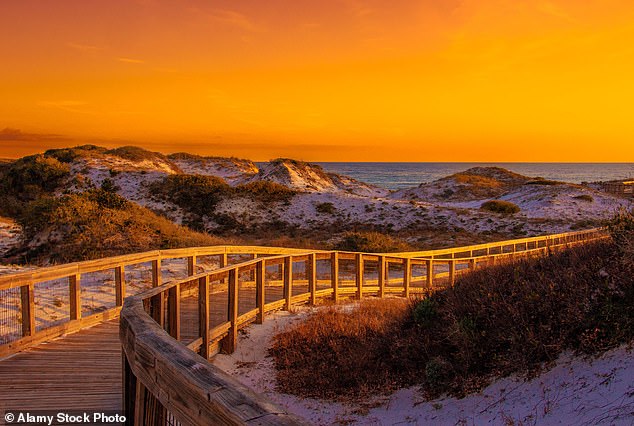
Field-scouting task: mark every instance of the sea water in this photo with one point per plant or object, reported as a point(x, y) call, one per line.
point(407, 175)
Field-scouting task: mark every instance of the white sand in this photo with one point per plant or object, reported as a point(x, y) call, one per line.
point(576, 391)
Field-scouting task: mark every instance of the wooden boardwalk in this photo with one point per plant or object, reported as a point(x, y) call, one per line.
point(78, 371)
point(82, 371)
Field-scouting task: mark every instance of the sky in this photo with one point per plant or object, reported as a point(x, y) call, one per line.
point(328, 80)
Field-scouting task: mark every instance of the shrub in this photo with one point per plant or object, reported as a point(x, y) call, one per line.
point(584, 197)
point(30, 178)
point(499, 206)
point(542, 181)
point(194, 193)
point(97, 224)
point(510, 318)
point(371, 242)
point(134, 153)
point(266, 192)
point(424, 312)
point(325, 208)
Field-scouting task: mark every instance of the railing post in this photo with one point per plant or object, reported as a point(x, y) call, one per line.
point(203, 314)
point(158, 301)
point(75, 296)
point(381, 275)
point(260, 296)
point(174, 311)
point(358, 260)
point(334, 275)
point(191, 266)
point(139, 404)
point(119, 279)
point(452, 272)
point(229, 343)
point(129, 391)
point(387, 272)
point(311, 270)
point(288, 281)
point(472, 265)
point(407, 271)
point(27, 299)
point(430, 273)
point(223, 261)
point(156, 272)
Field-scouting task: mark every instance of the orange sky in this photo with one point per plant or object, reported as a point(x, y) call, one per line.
point(330, 80)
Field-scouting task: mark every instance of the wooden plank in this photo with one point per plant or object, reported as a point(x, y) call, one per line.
point(203, 315)
point(381, 264)
point(288, 281)
point(452, 272)
point(27, 306)
point(260, 295)
point(334, 275)
point(430, 274)
point(191, 265)
point(174, 311)
point(75, 296)
point(359, 274)
point(407, 274)
point(229, 343)
point(119, 280)
point(311, 271)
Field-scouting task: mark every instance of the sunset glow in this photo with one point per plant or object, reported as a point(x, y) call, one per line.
point(333, 80)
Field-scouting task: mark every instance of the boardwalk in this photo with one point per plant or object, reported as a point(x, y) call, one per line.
point(78, 371)
point(82, 371)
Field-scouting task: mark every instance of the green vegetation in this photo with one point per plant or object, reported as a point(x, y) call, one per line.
point(499, 206)
point(134, 153)
point(511, 318)
point(200, 195)
point(542, 181)
point(97, 224)
point(584, 197)
point(326, 208)
point(28, 179)
point(371, 242)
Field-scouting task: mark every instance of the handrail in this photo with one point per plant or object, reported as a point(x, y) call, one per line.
point(29, 329)
point(214, 395)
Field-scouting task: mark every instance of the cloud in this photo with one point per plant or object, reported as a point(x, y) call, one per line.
point(16, 135)
point(131, 60)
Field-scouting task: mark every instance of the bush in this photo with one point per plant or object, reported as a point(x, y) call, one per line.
point(134, 153)
point(371, 242)
point(266, 192)
point(499, 206)
point(97, 224)
point(325, 208)
point(584, 197)
point(28, 179)
point(512, 318)
point(194, 193)
point(542, 181)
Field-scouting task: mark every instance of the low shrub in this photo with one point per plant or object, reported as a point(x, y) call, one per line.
point(326, 208)
point(194, 193)
point(266, 192)
point(584, 197)
point(500, 206)
point(134, 153)
point(371, 242)
point(97, 224)
point(515, 317)
point(542, 181)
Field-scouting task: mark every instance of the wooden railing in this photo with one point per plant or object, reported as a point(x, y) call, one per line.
point(166, 382)
point(169, 330)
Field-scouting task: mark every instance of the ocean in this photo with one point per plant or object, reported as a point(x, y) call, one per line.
point(407, 175)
